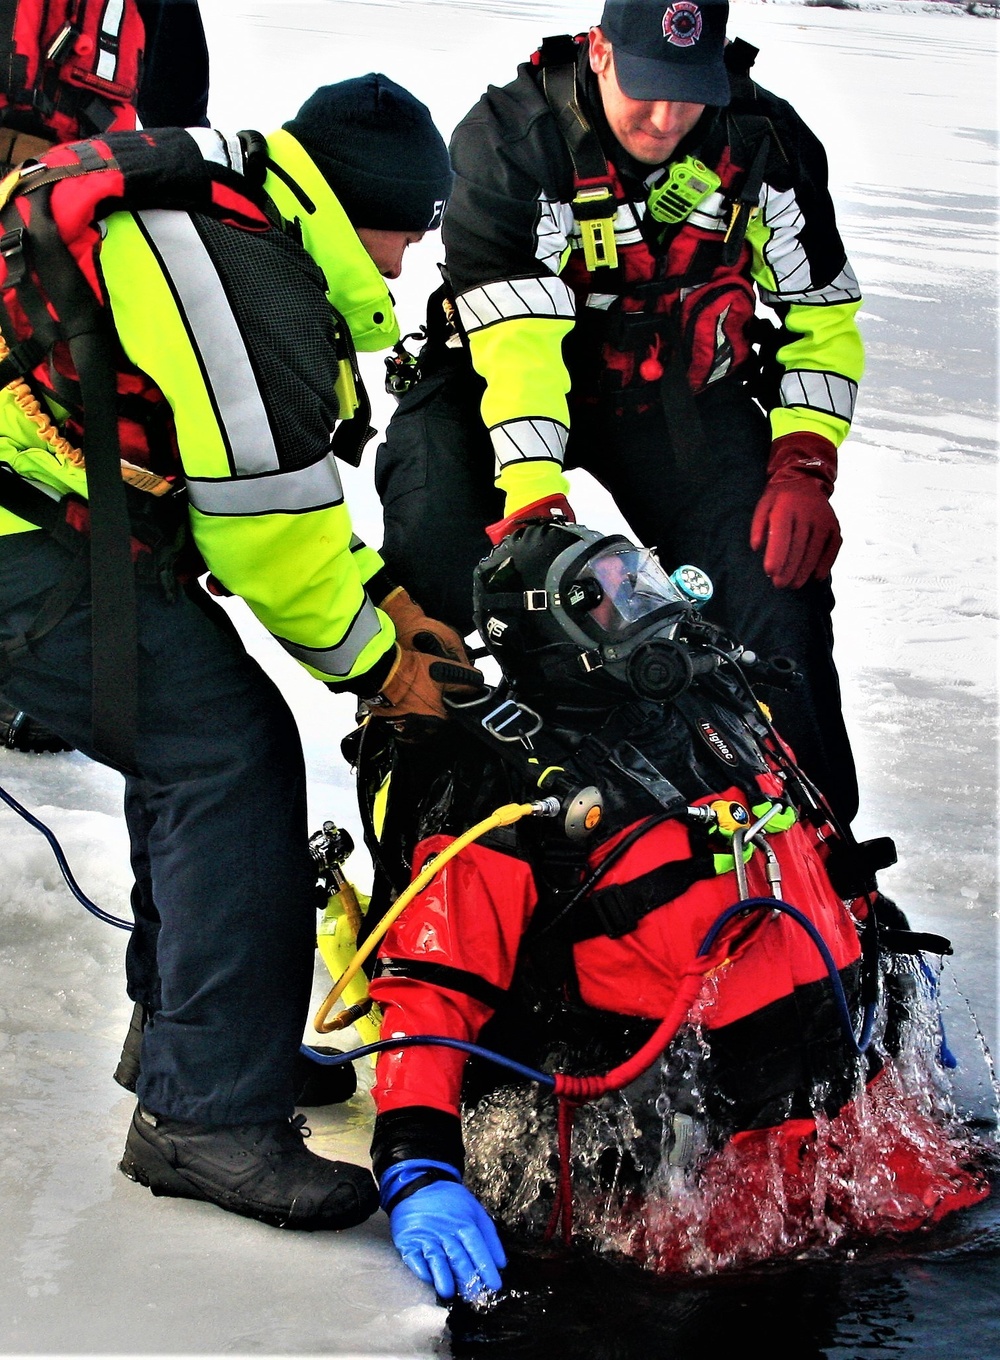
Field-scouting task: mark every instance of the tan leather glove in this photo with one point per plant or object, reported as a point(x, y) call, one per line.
point(411, 695)
point(417, 632)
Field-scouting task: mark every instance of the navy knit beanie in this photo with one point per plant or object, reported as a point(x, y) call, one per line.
point(378, 149)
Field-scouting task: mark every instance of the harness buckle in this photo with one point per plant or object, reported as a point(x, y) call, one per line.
point(591, 661)
point(512, 722)
point(536, 600)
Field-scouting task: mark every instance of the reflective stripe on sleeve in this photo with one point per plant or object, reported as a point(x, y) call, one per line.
point(111, 27)
point(220, 147)
point(274, 493)
point(829, 392)
point(787, 260)
point(215, 336)
point(338, 661)
point(519, 441)
point(511, 298)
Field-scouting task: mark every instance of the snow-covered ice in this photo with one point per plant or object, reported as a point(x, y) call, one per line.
point(904, 97)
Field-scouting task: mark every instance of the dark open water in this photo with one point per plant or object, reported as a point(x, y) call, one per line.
point(935, 1297)
point(929, 1295)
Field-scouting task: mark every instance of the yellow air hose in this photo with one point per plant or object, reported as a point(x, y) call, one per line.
point(503, 816)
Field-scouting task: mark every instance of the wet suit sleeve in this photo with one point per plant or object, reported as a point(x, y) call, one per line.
point(444, 966)
point(803, 274)
point(504, 241)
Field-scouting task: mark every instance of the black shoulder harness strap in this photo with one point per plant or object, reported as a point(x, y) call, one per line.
point(87, 329)
point(594, 205)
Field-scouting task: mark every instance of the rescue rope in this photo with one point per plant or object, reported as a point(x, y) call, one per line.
point(141, 478)
point(37, 414)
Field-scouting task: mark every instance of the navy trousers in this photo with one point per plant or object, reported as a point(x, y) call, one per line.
point(434, 476)
point(225, 894)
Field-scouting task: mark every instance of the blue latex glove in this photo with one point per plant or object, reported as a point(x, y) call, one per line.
point(442, 1232)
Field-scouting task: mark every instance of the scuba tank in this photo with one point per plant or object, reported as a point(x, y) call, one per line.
point(337, 936)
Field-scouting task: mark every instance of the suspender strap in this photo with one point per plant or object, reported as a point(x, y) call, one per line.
point(749, 196)
point(590, 165)
point(594, 204)
point(85, 325)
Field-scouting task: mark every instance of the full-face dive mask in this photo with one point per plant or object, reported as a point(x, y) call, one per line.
point(573, 615)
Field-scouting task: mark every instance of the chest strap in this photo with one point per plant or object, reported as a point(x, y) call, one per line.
point(616, 910)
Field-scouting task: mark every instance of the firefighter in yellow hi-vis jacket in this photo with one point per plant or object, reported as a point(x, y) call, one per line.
point(236, 387)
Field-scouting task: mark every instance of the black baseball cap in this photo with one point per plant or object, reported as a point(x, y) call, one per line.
point(669, 51)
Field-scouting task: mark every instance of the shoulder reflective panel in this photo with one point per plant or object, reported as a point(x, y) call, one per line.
point(213, 332)
point(184, 333)
point(355, 287)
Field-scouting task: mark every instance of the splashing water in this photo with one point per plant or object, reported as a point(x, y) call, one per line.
point(655, 1181)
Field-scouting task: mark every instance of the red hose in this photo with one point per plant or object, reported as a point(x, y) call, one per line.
point(573, 1091)
point(581, 1089)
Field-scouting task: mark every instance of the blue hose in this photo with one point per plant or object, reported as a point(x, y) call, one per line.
point(67, 873)
point(438, 1040)
point(775, 904)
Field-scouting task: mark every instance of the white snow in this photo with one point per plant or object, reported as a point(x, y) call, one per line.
point(904, 97)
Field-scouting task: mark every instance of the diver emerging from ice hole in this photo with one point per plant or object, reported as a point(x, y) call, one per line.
point(667, 883)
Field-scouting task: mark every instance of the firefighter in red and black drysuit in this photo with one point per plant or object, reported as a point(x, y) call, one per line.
point(619, 210)
point(234, 381)
point(522, 944)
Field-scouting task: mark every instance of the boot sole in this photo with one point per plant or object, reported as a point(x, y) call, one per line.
point(162, 1179)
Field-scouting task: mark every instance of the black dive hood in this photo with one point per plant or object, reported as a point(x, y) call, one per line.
point(584, 620)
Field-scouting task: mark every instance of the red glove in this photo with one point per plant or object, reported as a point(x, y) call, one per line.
point(549, 507)
point(794, 522)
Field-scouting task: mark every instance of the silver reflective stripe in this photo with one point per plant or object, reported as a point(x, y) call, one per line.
point(830, 392)
point(555, 225)
point(111, 25)
point(310, 488)
point(788, 262)
point(710, 214)
point(216, 338)
point(510, 298)
point(221, 147)
point(520, 441)
point(338, 660)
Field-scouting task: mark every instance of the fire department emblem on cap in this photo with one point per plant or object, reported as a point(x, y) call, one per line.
point(682, 24)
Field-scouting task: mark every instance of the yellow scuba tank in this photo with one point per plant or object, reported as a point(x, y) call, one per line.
point(337, 937)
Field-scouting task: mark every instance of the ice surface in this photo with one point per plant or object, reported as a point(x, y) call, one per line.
point(904, 98)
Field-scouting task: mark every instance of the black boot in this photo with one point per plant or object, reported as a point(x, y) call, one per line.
point(315, 1083)
point(261, 1171)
